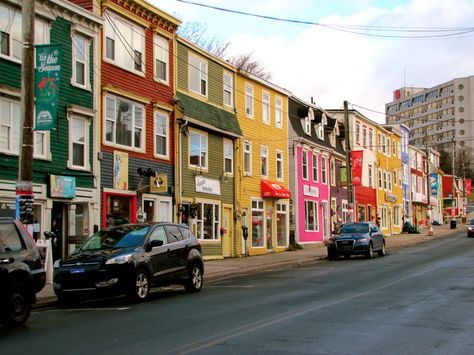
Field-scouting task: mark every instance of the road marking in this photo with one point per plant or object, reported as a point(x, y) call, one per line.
point(84, 309)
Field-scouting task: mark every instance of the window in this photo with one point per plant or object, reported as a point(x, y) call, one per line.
point(80, 61)
point(357, 133)
point(208, 221)
point(247, 158)
point(380, 143)
point(279, 165)
point(311, 216)
point(332, 172)
point(161, 52)
point(11, 38)
point(394, 177)
point(389, 178)
point(371, 176)
point(324, 170)
point(371, 141)
point(321, 131)
point(161, 134)
point(264, 160)
point(345, 211)
point(197, 75)
point(198, 149)
point(10, 130)
point(228, 156)
point(394, 148)
point(249, 100)
point(228, 89)
point(124, 43)
point(364, 136)
point(304, 164)
point(380, 179)
point(278, 112)
point(124, 122)
point(265, 107)
point(385, 181)
point(78, 142)
point(258, 224)
point(315, 167)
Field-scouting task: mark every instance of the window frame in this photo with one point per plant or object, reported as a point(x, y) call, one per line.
point(279, 165)
point(266, 119)
point(226, 143)
point(230, 88)
point(166, 136)
point(86, 62)
point(304, 164)
point(249, 101)
point(247, 155)
point(202, 135)
point(86, 124)
point(202, 73)
point(161, 53)
point(278, 112)
point(264, 157)
point(314, 227)
point(324, 178)
point(315, 166)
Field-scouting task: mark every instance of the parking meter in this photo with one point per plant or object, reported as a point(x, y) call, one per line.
point(245, 232)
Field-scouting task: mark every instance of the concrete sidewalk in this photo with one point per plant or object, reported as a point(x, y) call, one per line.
point(215, 270)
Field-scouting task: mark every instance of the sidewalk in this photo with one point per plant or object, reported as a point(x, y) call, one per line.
point(215, 270)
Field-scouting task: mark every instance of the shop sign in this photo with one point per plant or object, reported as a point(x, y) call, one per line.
point(62, 186)
point(309, 190)
point(390, 197)
point(208, 186)
point(159, 183)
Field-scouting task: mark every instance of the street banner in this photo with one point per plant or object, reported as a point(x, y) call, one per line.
point(357, 164)
point(342, 176)
point(48, 70)
point(468, 186)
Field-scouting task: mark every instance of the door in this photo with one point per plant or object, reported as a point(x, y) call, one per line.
point(159, 255)
point(269, 219)
point(227, 233)
point(325, 213)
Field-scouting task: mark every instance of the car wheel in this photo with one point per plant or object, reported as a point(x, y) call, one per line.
point(382, 251)
point(370, 252)
point(140, 289)
point(18, 305)
point(195, 280)
point(332, 254)
point(347, 256)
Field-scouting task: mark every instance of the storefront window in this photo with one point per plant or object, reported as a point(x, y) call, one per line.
point(361, 213)
point(257, 223)
point(282, 223)
point(208, 221)
point(118, 209)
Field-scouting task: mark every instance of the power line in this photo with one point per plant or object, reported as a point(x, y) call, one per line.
point(428, 32)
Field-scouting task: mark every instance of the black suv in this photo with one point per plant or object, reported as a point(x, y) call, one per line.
point(128, 259)
point(22, 272)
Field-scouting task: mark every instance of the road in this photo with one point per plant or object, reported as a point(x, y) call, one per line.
point(417, 300)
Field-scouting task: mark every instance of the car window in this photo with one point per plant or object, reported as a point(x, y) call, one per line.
point(159, 234)
point(122, 237)
point(185, 232)
point(354, 228)
point(10, 239)
point(174, 235)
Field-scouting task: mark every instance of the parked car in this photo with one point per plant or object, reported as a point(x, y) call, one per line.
point(363, 238)
point(129, 259)
point(470, 228)
point(22, 272)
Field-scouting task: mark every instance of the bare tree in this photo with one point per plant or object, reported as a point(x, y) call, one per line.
point(196, 32)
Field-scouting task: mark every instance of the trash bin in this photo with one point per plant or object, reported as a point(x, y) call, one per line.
point(452, 224)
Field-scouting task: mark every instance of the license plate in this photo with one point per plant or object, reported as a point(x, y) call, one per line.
point(77, 271)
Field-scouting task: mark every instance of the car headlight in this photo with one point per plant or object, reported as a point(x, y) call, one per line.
point(122, 259)
point(362, 240)
point(470, 228)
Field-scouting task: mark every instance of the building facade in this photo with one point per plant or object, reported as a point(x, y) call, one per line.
point(65, 166)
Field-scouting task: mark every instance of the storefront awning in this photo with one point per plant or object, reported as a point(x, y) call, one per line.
point(274, 190)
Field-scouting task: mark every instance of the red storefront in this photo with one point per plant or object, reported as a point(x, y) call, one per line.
point(365, 206)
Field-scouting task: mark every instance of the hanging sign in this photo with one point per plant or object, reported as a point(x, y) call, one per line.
point(357, 164)
point(48, 70)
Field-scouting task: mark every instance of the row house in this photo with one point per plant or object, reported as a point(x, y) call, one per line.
point(208, 133)
point(137, 113)
point(419, 196)
point(314, 139)
point(262, 169)
point(66, 172)
point(389, 180)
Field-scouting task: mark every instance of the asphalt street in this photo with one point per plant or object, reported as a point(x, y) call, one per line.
point(416, 300)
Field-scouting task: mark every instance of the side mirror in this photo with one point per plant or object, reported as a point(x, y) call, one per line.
point(154, 244)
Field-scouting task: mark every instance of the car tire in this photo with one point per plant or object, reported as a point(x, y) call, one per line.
point(140, 287)
point(382, 252)
point(18, 305)
point(195, 280)
point(332, 254)
point(370, 252)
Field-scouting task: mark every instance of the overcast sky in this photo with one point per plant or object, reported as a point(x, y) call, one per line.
point(335, 65)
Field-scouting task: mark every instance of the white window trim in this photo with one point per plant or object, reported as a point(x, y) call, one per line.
point(86, 122)
point(266, 107)
point(158, 41)
point(281, 160)
point(247, 173)
point(324, 172)
point(230, 88)
point(262, 147)
point(167, 136)
point(87, 83)
point(203, 74)
point(278, 112)
point(204, 167)
point(316, 217)
point(249, 111)
point(231, 143)
point(315, 176)
point(304, 153)
point(138, 30)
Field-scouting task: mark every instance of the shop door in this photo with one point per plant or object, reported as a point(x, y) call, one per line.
point(226, 233)
point(325, 218)
point(58, 227)
point(269, 227)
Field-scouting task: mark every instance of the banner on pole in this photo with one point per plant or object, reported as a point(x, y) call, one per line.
point(48, 70)
point(357, 164)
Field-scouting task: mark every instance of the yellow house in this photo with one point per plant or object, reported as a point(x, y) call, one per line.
point(262, 165)
point(389, 180)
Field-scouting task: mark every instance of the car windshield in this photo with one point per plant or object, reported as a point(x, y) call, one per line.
point(122, 237)
point(354, 228)
point(471, 222)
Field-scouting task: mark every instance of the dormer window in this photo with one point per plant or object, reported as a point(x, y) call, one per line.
point(307, 121)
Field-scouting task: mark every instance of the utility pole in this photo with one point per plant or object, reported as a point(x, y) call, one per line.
point(453, 220)
point(463, 186)
point(24, 187)
point(350, 201)
point(428, 190)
